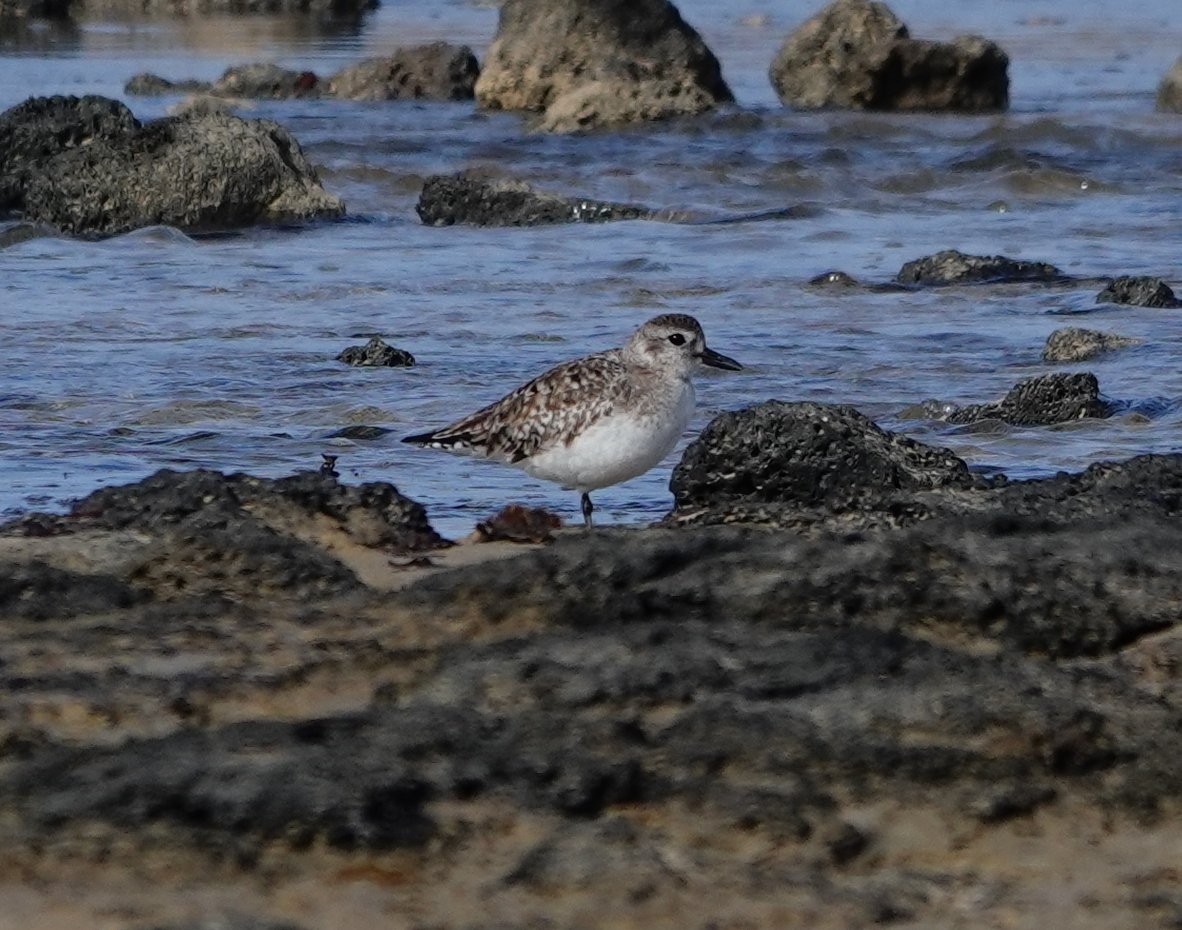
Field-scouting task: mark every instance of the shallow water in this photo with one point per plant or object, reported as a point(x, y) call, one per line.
point(156, 349)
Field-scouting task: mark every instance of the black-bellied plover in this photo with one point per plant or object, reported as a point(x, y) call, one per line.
point(595, 421)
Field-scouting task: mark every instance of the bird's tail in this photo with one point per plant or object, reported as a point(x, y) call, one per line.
point(445, 438)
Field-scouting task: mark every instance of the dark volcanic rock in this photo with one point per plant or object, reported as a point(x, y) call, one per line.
point(439, 71)
point(204, 533)
point(612, 716)
point(465, 198)
point(36, 131)
point(1169, 91)
point(36, 590)
point(375, 513)
point(1072, 344)
point(152, 85)
point(244, 781)
point(265, 81)
point(818, 467)
point(834, 280)
point(1050, 567)
point(376, 354)
point(1138, 291)
point(858, 54)
point(256, 81)
point(86, 167)
point(805, 454)
point(953, 267)
point(200, 173)
point(1042, 401)
point(745, 674)
point(640, 51)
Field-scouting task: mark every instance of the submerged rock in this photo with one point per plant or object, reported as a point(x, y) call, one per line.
point(858, 54)
point(265, 81)
point(152, 85)
point(642, 52)
point(1169, 91)
point(953, 267)
point(1042, 401)
point(1140, 292)
point(834, 280)
point(439, 71)
point(376, 354)
point(1072, 344)
point(466, 198)
point(108, 174)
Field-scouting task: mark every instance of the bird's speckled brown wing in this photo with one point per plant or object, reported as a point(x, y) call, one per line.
point(550, 410)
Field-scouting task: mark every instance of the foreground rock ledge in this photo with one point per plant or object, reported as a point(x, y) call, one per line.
point(178, 535)
point(693, 719)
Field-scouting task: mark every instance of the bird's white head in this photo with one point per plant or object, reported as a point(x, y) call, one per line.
point(674, 341)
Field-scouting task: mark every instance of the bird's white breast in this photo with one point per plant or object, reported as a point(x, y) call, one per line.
point(622, 445)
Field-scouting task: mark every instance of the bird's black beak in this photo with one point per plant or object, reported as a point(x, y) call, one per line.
point(718, 360)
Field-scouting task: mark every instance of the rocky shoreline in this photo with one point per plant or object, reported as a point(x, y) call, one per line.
point(924, 693)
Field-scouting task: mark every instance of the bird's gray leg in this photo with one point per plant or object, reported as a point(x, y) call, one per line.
point(587, 508)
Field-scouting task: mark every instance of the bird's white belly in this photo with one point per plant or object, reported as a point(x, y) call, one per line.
point(616, 448)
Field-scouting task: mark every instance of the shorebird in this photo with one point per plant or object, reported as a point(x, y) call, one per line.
point(598, 420)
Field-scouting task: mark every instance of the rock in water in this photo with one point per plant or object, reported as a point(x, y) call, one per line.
point(858, 54)
point(1169, 91)
point(640, 50)
point(265, 81)
point(467, 198)
point(805, 454)
point(1072, 344)
point(953, 267)
point(439, 71)
point(38, 130)
point(202, 172)
point(152, 85)
point(1042, 401)
point(376, 354)
point(1139, 292)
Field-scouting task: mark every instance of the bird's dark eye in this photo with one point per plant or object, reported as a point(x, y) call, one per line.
point(677, 339)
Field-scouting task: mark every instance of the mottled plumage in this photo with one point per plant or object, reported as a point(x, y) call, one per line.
point(552, 408)
point(597, 420)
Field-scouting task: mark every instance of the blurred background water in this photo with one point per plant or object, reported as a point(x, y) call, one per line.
point(156, 349)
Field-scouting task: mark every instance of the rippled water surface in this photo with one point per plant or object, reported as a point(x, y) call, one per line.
point(152, 349)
